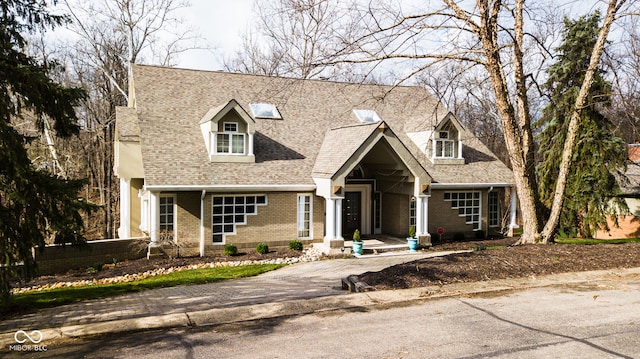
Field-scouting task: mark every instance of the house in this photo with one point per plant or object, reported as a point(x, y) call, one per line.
point(628, 224)
point(209, 158)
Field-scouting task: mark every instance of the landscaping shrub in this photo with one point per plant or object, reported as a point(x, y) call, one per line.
point(295, 245)
point(230, 249)
point(262, 248)
point(479, 234)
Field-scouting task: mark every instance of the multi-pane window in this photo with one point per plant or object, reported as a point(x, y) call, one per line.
point(304, 216)
point(468, 206)
point(494, 209)
point(444, 148)
point(377, 212)
point(230, 141)
point(412, 212)
point(229, 211)
point(167, 217)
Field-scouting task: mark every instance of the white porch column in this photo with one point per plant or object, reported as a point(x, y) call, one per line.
point(422, 216)
point(125, 209)
point(333, 241)
point(338, 219)
point(514, 211)
point(330, 219)
point(154, 216)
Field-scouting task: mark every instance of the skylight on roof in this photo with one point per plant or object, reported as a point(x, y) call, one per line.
point(367, 116)
point(265, 110)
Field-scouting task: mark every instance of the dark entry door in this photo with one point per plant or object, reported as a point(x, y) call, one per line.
point(351, 210)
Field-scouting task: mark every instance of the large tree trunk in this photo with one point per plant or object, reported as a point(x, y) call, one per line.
point(517, 135)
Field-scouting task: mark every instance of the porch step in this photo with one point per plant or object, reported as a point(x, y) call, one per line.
point(386, 245)
point(384, 248)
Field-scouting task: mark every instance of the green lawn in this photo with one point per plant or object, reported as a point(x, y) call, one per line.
point(31, 301)
point(597, 241)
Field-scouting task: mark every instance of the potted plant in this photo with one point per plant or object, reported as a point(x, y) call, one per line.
point(412, 240)
point(357, 243)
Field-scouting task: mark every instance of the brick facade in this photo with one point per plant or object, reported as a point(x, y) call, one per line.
point(274, 223)
point(395, 214)
point(442, 215)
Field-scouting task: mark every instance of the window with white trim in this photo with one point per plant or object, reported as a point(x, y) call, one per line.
point(304, 215)
point(230, 141)
point(468, 206)
point(493, 212)
point(167, 217)
point(444, 148)
point(231, 211)
point(412, 212)
point(377, 212)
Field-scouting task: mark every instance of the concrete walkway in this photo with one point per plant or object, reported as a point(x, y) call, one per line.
point(293, 290)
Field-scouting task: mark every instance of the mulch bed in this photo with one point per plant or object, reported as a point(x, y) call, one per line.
point(503, 263)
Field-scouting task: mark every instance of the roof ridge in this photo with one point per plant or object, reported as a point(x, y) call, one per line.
point(390, 86)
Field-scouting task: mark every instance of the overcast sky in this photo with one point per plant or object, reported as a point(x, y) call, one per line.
point(220, 22)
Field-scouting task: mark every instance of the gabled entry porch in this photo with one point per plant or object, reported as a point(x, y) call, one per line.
point(373, 184)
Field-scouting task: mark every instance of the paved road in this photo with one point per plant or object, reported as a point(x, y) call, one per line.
point(599, 319)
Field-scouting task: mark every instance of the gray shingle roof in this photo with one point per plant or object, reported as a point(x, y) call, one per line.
point(171, 103)
point(338, 146)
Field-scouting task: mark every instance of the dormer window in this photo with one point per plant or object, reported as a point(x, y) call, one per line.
point(265, 110)
point(230, 141)
point(228, 132)
point(444, 147)
point(367, 116)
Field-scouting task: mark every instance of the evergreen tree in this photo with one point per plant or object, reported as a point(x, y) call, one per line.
point(592, 189)
point(34, 206)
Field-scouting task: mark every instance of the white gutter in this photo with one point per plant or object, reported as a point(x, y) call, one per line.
point(233, 188)
point(469, 185)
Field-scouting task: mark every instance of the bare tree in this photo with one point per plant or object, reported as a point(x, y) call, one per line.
point(489, 35)
point(625, 111)
point(296, 38)
point(109, 35)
